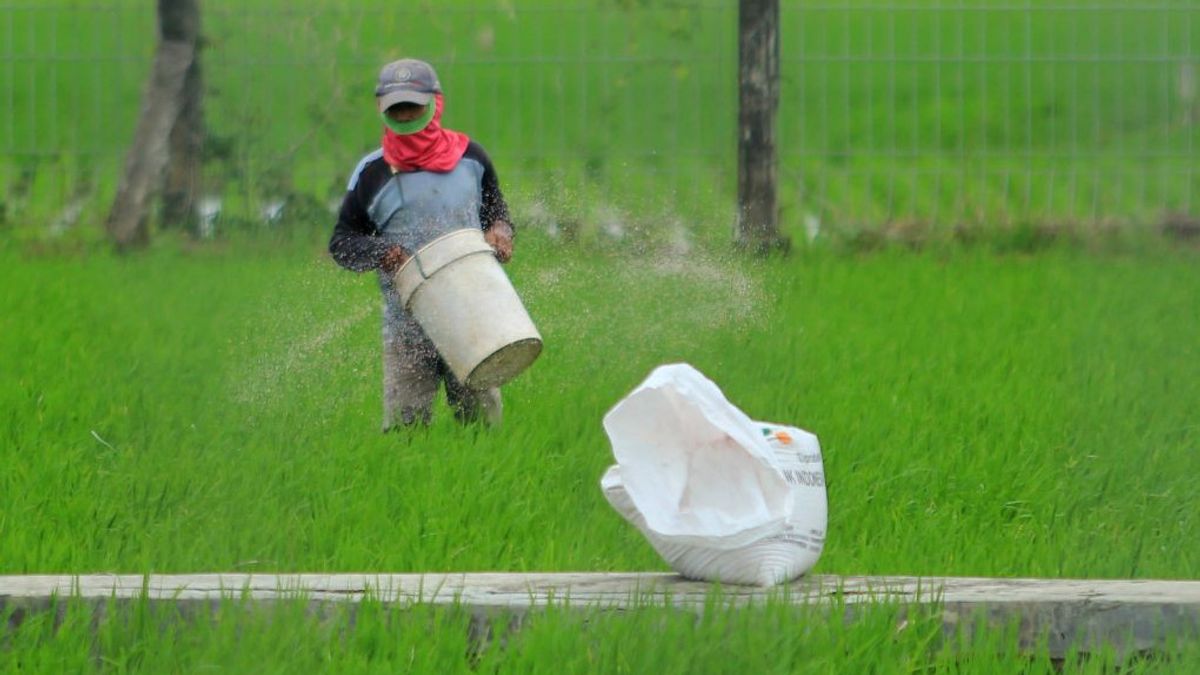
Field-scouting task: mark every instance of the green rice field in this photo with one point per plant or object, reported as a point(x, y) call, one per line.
point(984, 410)
point(978, 319)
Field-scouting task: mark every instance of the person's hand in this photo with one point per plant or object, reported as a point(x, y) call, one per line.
point(500, 237)
point(393, 259)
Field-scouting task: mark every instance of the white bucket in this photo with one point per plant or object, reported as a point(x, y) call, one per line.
point(455, 288)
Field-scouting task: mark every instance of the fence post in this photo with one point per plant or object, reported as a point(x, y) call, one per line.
point(758, 100)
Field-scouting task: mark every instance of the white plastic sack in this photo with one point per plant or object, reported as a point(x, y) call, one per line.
point(718, 495)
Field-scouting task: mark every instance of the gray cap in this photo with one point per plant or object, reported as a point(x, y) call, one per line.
point(406, 81)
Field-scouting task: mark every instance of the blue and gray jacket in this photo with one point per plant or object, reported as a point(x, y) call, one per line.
point(382, 209)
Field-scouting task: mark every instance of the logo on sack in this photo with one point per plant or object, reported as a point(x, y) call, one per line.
point(782, 436)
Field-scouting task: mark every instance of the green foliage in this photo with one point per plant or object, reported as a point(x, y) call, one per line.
point(1023, 413)
point(993, 398)
point(942, 116)
point(216, 408)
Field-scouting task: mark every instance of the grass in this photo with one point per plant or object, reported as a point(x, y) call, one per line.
point(1015, 405)
point(770, 638)
point(986, 414)
point(998, 411)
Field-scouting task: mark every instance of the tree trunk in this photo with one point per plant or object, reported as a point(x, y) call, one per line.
point(162, 101)
point(758, 99)
point(185, 153)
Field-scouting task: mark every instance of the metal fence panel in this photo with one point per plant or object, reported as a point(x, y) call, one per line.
point(894, 113)
point(955, 112)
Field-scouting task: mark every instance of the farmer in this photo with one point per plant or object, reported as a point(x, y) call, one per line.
point(423, 182)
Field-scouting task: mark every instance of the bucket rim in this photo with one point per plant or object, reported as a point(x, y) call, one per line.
point(532, 345)
point(438, 239)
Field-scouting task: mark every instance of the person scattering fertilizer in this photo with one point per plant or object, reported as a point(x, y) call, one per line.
point(423, 182)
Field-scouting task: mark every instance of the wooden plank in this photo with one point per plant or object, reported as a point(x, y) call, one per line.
point(1127, 614)
point(609, 589)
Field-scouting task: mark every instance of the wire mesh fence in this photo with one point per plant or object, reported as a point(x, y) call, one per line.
point(894, 113)
point(957, 112)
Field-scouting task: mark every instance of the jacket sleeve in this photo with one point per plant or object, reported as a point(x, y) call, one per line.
point(355, 244)
point(492, 206)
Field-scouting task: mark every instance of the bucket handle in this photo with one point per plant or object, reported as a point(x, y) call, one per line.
point(416, 258)
point(408, 286)
point(420, 267)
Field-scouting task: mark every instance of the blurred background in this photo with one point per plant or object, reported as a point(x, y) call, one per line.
point(606, 117)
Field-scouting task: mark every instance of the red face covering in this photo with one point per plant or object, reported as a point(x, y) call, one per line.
point(430, 149)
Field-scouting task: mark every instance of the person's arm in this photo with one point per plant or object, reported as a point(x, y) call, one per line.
point(493, 211)
point(356, 245)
